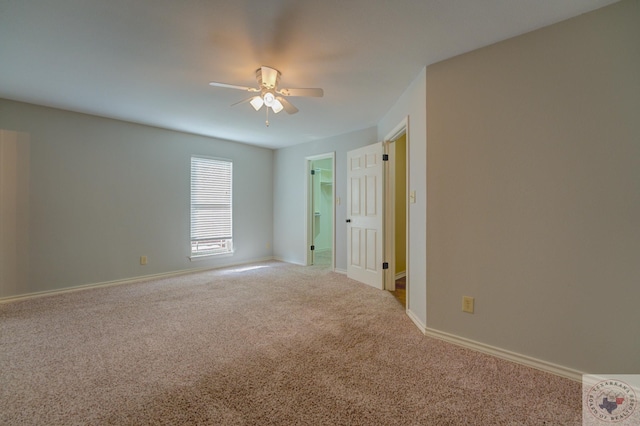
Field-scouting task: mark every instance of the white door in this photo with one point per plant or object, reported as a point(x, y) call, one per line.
point(365, 175)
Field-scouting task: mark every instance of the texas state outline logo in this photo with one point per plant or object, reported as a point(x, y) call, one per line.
point(610, 401)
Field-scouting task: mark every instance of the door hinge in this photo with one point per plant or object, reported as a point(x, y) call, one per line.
point(385, 265)
point(313, 172)
point(313, 247)
point(385, 157)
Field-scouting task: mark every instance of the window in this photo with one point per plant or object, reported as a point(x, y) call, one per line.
point(211, 207)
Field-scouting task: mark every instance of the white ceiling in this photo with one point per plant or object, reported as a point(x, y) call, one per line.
point(150, 61)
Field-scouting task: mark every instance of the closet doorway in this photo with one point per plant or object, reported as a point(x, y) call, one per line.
point(397, 201)
point(321, 210)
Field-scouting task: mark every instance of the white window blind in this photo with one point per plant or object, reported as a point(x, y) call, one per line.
point(211, 207)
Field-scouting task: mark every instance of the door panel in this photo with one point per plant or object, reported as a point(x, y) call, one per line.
point(355, 247)
point(364, 197)
point(372, 249)
point(355, 197)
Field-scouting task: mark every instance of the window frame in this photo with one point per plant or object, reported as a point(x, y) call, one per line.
point(218, 205)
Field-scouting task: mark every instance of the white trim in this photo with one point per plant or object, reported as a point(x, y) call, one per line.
point(413, 317)
point(390, 215)
point(340, 271)
point(401, 275)
point(293, 262)
point(403, 128)
point(124, 281)
point(397, 131)
point(210, 256)
point(308, 193)
point(528, 361)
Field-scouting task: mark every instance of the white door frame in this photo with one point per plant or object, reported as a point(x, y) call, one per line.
point(390, 215)
point(397, 132)
point(309, 207)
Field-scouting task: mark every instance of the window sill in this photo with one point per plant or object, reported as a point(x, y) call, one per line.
point(209, 256)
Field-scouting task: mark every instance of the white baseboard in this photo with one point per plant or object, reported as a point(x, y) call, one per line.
point(528, 361)
point(340, 271)
point(124, 281)
point(401, 275)
point(293, 262)
point(416, 321)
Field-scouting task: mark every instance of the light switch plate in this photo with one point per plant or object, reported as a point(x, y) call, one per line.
point(467, 304)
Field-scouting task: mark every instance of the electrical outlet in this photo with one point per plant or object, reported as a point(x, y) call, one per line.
point(143, 260)
point(467, 304)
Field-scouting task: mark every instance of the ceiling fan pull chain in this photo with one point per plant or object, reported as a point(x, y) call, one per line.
point(267, 122)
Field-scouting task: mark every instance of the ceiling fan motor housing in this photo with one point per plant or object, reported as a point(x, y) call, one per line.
point(268, 78)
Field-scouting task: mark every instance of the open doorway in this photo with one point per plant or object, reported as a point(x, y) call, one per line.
point(321, 210)
point(396, 214)
point(378, 198)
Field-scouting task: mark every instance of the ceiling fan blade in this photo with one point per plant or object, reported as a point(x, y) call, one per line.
point(233, 86)
point(269, 77)
point(311, 92)
point(288, 107)
point(243, 101)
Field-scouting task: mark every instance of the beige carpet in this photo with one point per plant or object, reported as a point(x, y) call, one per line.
point(274, 345)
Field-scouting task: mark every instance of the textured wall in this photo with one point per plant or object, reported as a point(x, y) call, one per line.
point(104, 192)
point(534, 192)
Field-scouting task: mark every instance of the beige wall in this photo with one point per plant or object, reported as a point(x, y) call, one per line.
point(14, 212)
point(533, 183)
point(101, 193)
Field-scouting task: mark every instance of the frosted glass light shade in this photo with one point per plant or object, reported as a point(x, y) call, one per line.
point(256, 102)
point(277, 106)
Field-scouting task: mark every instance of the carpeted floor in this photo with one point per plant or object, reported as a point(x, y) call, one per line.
point(272, 344)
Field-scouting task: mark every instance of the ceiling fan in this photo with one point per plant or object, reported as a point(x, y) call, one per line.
point(268, 93)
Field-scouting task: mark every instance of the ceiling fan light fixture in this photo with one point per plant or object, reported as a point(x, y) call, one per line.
point(269, 99)
point(268, 93)
point(277, 106)
point(256, 102)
